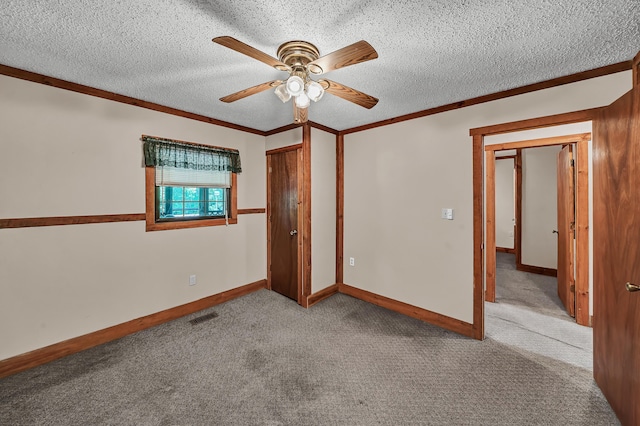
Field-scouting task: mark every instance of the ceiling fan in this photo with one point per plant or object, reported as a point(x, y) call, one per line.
point(302, 59)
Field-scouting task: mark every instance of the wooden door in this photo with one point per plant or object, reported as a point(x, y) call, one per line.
point(616, 255)
point(283, 275)
point(566, 227)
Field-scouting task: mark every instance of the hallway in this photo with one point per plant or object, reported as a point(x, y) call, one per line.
point(529, 316)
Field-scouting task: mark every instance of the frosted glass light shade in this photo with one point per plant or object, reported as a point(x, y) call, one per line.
point(315, 91)
point(295, 85)
point(302, 101)
point(282, 93)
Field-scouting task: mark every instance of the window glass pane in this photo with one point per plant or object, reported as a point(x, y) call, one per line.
point(191, 194)
point(176, 203)
point(174, 193)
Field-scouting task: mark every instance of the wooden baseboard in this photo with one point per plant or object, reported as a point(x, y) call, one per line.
point(50, 353)
point(506, 250)
point(537, 270)
point(319, 296)
point(451, 324)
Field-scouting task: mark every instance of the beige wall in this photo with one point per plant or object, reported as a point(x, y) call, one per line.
point(323, 209)
point(399, 177)
point(280, 140)
point(66, 154)
point(505, 203)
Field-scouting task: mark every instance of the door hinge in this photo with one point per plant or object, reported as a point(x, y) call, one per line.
point(572, 288)
point(573, 162)
point(270, 169)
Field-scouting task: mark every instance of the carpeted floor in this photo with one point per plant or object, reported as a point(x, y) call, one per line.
point(529, 316)
point(266, 361)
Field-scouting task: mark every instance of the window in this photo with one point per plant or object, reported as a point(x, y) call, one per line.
point(182, 202)
point(189, 185)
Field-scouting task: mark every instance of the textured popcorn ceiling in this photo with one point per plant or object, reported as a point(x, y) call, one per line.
point(431, 53)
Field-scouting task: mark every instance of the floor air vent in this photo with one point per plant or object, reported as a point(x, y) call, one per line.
point(203, 318)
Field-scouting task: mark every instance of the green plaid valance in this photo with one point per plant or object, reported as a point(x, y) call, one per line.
point(160, 152)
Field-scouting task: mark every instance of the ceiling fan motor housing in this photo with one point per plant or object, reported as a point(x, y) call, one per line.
point(297, 54)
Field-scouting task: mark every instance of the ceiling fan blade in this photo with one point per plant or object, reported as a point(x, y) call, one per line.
point(349, 94)
point(350, 55)
point(251, 91)
point(252, 52)
point(300, 115)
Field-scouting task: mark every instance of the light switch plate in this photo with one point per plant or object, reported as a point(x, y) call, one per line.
point(447, 214)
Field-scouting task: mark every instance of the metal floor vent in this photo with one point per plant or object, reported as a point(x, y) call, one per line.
point(203, 318)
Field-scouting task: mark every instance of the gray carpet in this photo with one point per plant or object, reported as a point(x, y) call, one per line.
point(529, 316)
point(266, 361)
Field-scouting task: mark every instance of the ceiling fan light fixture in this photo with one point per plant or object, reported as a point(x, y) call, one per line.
point(295, 85)
point(302, 101)
point(315, 91)
point(282, 93)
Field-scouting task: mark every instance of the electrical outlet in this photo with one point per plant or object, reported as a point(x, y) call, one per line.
point(192, 280)
point(352, 261)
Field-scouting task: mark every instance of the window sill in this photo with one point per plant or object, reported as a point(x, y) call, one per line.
point(163, 226)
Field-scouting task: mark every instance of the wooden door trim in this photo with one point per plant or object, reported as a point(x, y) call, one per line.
point(268, 217)
point(537, 123)
point(301, 253)
point(283, 149)
point(582, 283)
point(490, 226)
point(535, 143)
point(518, 231)
point(299, 222)
point(582, 234)
point(478, 238)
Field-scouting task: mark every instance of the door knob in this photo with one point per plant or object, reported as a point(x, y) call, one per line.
point(293, 232)
point(632, 287)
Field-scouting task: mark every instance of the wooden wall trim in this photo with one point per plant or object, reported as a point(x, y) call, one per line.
point(323, 128)
point(537, 123)
point(506, 250)
point(573, 78)
point(319, 296)
point(282, 129)
point(478, 238)
point(306, 209)
point(433, 318)
point(296, 125)
point(283, 149)
point(252, 211)
point(30, 222)
point(91, 91)
point(50, 353)
point(339, 208)
point(537, 270)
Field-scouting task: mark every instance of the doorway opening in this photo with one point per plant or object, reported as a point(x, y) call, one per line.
point(572, 232)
